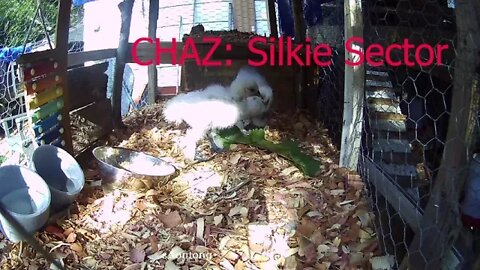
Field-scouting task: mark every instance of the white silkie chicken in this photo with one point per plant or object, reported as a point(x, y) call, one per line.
point(217, 107)
point(206, 111)
point(249, 82)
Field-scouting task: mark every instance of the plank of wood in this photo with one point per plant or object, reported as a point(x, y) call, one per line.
point(30, 59)
point(272, 18)
point(385, 108)
point(87, 85)
point(353, 92)
point(392, 192)
point(394, 145)
point(370, 82)
point(78, 58)
point(122, 54)
point(388, 125)
point(60, 55)
point(381, 94)
point(441, 223)
point(152, 33)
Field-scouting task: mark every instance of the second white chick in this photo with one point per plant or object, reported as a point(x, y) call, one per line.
point(249, 82)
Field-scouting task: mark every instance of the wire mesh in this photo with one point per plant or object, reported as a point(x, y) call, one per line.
point(407, 112)
point(25, 27)
point(329, 30)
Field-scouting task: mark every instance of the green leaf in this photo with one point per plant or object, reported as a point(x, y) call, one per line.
point(287, 149)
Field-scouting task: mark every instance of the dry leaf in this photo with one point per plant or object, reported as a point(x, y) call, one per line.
point(76, 247)
point(137, 255)
point(383, 262)
point(141, 205)
point(200, 227)
point(55, 231)
point(71, 238)
point(235, 158)
point(33, 267)
point(175, 253)
point(171, 220)
point(238, 210)
point(217, 220)
point(157, 256)
point(170, 265)
point(136, 266)
point(68, 231)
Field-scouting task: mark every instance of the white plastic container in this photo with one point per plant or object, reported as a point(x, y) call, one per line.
point(61, 172)
point(26, 196)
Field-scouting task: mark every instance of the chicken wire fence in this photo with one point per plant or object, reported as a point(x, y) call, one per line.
point(175, 20)
point(329, 85)
point(26, 27)
point(406, 144)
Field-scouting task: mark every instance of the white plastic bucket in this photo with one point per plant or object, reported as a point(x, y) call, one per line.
point(26, 196)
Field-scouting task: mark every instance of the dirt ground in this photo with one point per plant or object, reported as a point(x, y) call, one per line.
point(242, 209)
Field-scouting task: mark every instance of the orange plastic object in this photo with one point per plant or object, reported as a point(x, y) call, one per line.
point(42, 84)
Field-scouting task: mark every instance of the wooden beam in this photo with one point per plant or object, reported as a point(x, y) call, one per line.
point(272, 18)
point(78, 58)
point(353, 91)
point(441, 222)
point(61, 50)
point(407, 208)
point(122, 51)
point(298, 21)
point(152, 33)
point(392, 193)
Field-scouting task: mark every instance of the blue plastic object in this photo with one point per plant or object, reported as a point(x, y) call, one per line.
point(51, 135)
point(46, 124)
point(77, 3)
point(10, 54)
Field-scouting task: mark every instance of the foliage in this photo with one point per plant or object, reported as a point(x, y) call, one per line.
point(16, 17)
point(288, 149)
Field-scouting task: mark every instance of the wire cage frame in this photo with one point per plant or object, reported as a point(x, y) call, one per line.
point(413, 157)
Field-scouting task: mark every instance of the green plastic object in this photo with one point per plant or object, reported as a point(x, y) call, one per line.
point(47, 109)
point(287, 149)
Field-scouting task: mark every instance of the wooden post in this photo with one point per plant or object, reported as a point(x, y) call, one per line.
point(272, 18)
point(299, 25)
point(126, 17)
point(298, 20)
point(353, 91)
point(61, 52)
point(441, 222)
point(152, 33)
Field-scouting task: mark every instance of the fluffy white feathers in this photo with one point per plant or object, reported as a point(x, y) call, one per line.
point(203, 110)
point(249, 82)
point(197, 108)
point(216, 107)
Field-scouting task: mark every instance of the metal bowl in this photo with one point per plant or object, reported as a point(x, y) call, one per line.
point(117, 165)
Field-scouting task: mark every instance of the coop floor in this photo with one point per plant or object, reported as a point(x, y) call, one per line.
point(273, 218)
